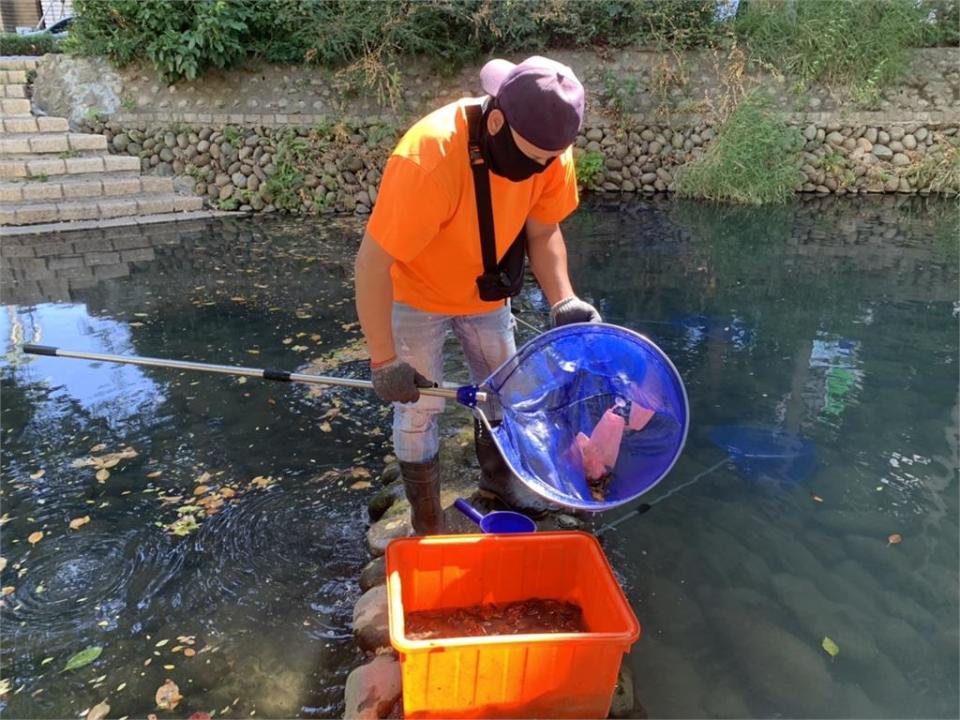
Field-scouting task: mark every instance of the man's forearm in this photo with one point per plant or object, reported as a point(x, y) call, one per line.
point(548, 260)
point(374, 299)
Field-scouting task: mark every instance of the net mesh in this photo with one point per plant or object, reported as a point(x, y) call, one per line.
point(594, 415)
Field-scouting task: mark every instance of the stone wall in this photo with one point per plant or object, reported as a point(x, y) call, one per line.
point(648, 115)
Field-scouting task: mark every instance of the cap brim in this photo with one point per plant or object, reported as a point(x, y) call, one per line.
point(493, 74)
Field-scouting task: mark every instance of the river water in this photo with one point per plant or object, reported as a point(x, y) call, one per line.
point(829, 322)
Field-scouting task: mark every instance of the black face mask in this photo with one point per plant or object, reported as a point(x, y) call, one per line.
point(502, 155)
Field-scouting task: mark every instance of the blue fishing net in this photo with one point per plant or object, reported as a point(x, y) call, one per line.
point(561, 384)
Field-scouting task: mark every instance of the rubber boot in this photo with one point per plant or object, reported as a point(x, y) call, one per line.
point(421, 483)
point(497, 479)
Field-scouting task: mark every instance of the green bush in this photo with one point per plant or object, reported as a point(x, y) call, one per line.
point(941, 26)
point(589, 165)
point(182, 39)
point(41, 44)
point(855, 42)
point(753, 160)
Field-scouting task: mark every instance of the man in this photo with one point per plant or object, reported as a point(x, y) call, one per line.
point(419, 267)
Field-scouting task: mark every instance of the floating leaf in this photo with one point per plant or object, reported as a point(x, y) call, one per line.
point(162, 642)
point(241, 381)
point(228, 492)
point(102, 475)
point(894, 539)
point(155, 474)
point(189, 652)
point(7, 590)
point(204, 477)
point(3, 563)
point(84, 657)
point(816, 498)
point(35, 537)
point(360, 472)
point(253, 352)
point(360, 485)
point(46, 661)
point(200, 489)
point(830, 646)
point(184, 526)
point(168, 695)
point(112, 462)
point(262, 481)
point(326, 427)
point(79, 522)
point(98, 448)
point(98, 711)
point(38, 474)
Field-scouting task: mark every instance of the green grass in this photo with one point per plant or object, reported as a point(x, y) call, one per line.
point(233, 136)
point(589, 165)
point(939, 170)
point(837, 42)
point(753, 160)
point(41, 44)
point(294, 156)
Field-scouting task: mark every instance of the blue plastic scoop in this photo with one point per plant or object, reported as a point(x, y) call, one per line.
point(501, 521)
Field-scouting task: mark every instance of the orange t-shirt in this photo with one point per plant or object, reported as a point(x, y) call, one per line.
point(426, 213)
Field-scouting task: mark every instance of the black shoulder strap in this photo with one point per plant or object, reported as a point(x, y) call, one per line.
point(481, 188)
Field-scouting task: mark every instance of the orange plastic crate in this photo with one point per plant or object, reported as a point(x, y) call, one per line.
point(549, 675)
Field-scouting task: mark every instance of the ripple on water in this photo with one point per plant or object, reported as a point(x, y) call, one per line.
point(80, 584)
point(278, 548)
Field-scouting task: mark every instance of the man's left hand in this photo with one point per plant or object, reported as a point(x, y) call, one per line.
point(573, 310)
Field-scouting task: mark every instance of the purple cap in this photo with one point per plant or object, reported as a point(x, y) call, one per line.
point(541, 98)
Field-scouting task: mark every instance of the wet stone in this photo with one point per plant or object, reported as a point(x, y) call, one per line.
point(390, 473)
point(372, 690)
point(373, 574)
point(371, 621)
point(382, 501)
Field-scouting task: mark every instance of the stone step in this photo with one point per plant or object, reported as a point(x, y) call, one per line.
point(34, 124)
point(194, 217)
point(84, 186)
point(18, 62)
point(27, 143)
point(13, 77)
point(14, 107)
point(8, 90)
point(103, 208)
point(31, 167)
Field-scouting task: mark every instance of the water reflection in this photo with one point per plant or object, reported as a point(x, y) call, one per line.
point(829, 322)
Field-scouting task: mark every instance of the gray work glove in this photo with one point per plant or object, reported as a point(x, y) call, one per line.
point(397, 381)
point(572, 310)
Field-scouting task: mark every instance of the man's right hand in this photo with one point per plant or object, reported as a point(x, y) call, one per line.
point(397, 381)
